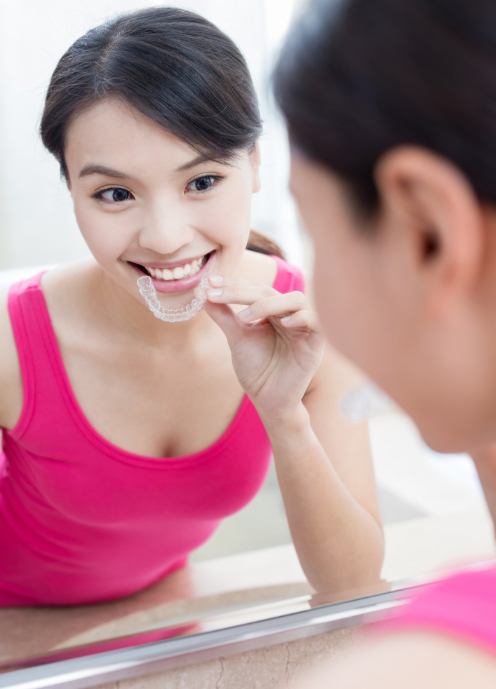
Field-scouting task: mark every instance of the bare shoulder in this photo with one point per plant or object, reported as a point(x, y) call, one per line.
point(10, 373)
point(65, 289)
point(66, 278)
point(58, 282)
point(258, 268)
point(409, 660)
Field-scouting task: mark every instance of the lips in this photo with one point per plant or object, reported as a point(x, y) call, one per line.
point(175, 286)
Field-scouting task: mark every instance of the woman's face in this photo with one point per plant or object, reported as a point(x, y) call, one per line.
point(373, 298)
point(157, 204)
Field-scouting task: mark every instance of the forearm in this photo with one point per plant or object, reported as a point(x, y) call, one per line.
point(339, 544)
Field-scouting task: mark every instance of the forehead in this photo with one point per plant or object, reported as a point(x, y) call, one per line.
point(113, 132)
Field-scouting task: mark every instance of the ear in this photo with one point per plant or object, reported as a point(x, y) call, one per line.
point(255, 166)
point(432, 199)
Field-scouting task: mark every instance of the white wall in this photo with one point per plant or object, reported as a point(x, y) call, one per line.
point(37, 224)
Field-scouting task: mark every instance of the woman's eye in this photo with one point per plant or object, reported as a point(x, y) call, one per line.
point(203, 183)
point(116, 195)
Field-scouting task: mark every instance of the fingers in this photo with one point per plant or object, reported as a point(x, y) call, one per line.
point(288, 310)
point(277, 306)
point(224, 316)
point(239, 294)
point(263, 301)
point(301, 320)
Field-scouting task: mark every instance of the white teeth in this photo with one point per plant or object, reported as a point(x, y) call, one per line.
point(177, 273)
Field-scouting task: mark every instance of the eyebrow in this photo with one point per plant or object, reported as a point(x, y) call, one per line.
point(195, 161)
point(96, 169)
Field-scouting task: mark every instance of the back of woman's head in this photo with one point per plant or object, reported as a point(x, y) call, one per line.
point(169, 64)
point(356, 78)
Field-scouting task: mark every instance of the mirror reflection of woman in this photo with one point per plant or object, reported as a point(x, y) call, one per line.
point(390, 110)
point(128, 439)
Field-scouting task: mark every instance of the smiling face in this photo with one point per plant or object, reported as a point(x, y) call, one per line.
point(142, 197)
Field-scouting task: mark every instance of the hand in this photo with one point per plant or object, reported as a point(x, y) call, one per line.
point(275, 346)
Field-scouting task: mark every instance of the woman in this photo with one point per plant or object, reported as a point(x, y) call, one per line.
point(128, 437)
point(390, 114)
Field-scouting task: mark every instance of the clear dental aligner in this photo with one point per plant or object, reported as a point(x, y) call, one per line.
point(365, 402)
point(185, 313)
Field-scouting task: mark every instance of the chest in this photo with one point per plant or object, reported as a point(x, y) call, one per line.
point(153, 407)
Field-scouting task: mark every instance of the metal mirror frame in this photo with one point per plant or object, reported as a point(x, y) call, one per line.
point(91, 665)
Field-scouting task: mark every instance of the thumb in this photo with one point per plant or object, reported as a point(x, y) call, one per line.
point(224, 316)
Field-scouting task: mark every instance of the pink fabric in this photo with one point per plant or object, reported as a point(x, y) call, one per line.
point(462, 606)
point(82, 520)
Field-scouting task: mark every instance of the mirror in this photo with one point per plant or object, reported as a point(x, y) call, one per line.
point(431, 505)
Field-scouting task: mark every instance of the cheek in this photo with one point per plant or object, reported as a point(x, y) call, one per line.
point(106, 234)
point(333, 288)
point(347, 303)
point(226, 220)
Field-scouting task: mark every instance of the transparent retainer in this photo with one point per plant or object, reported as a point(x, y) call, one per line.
point(185, 313)
point(366, 402)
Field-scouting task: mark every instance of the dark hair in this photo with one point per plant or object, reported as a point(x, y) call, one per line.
point(356, 78)
point(173, 66)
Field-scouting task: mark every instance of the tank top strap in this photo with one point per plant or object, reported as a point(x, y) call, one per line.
point(31, 325)
point(289, 277)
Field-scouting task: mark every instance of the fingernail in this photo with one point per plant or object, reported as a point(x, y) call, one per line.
point(216, 279)
point(286, 320)
point(245, 314)
point(215, 292)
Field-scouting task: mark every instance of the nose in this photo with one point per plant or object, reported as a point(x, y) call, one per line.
point(165, 229)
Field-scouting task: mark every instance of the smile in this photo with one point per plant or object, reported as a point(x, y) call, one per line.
point(179, 272)
point(179, 278)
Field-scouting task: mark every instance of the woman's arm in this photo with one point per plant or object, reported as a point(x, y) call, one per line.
point(326, 477)
point(322, 460)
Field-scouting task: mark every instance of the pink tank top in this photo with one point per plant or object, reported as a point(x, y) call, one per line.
point(462, 606)
point(83, 521)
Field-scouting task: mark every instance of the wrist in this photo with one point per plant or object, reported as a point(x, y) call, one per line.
point(292, 420)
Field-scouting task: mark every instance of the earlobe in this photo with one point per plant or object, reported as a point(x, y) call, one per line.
point(430, 199)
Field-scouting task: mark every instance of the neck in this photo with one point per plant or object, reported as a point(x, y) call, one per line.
point(485, 463)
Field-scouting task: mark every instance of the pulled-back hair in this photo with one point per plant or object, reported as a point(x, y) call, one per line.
point(356, 78)
point(171, 65)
